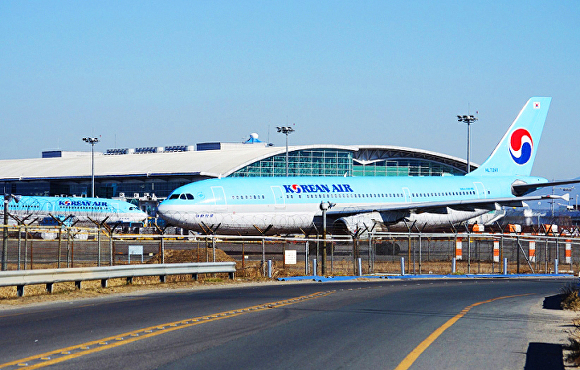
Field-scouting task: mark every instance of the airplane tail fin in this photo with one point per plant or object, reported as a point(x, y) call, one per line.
point(515, 153)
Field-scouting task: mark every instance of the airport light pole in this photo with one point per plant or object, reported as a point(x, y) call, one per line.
point(92, 141)
point(286, 130)
point(469, 119)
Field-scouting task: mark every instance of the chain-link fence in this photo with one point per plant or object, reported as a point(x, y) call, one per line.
point(380, 253)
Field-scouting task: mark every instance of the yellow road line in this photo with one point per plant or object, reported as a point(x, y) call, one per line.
point(68, 353)
point(414, 355)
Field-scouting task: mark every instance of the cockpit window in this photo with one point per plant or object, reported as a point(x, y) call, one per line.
point(182, 196)
point(189, 196)
point(174, 196)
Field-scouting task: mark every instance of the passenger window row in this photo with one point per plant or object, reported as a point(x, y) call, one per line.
point(348, 195)
point(386, 195)
point(248, 197)
point(446, 194)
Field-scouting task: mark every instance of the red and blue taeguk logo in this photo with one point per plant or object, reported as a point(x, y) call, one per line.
point(296, 188)
point(521, 146)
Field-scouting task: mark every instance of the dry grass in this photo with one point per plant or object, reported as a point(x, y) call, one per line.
point(570, 299)
point(247, 271)
point(573, 348)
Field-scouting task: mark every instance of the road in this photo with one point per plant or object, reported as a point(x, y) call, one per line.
point(423, 324)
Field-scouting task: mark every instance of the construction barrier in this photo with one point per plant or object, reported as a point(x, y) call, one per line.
point(532, 251)
point(496, 251)
point(458, 250)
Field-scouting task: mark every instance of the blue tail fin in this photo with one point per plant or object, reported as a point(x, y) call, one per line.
point(515, 153)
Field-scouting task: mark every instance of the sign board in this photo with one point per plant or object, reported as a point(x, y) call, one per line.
point(135, 249)
point(290, 257)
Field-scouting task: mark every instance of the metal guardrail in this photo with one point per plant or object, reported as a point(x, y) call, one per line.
point(51, 276)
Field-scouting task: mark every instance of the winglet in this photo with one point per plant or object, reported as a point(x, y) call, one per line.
point(516, 151)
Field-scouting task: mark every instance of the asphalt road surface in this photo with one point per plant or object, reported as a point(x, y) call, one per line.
point(381, 324)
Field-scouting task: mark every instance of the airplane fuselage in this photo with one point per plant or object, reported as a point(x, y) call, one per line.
point(292, 204)
point(76, 208)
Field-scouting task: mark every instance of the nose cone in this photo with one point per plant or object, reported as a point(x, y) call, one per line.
point(141, 216)
point(166, 212)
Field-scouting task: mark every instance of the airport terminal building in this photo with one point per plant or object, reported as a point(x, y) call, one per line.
point(151, 174)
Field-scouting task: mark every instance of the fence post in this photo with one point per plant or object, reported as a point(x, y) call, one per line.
point(420, 253)
point(306, 246)
point(99, 246)
point(505, 264)
point(25, 246)
point(19, 244)
point(111, 254)
point(359, 265)
point(453, 265)
point(468, 253)
point(59, 246)
point(314, 267)
point(269, 268)
point(263, 256)
point(402, 266)
point(556, 266)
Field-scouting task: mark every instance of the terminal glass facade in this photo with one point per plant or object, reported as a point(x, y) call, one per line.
point(334, 162)
point(404, 167)
point(311, 162)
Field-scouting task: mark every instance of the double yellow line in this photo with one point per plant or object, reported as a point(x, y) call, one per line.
point(68, 353)
point(414, 355)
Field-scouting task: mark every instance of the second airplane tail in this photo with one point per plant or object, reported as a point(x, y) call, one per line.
point(516, 151)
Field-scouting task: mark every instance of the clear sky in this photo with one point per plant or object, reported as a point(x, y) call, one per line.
point(157, 73)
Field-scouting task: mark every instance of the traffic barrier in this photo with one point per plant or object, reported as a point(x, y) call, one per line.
point(458, 250)
point(568, 251)
point(21, 278)
point(496, 251)
point(532, 250)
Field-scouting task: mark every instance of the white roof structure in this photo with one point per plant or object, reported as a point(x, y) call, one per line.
point(205, 163)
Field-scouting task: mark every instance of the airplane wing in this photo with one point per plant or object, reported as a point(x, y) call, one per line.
point(443, 206)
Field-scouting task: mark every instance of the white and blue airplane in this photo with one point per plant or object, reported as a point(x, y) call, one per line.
point(283, 205)
point(22, 208)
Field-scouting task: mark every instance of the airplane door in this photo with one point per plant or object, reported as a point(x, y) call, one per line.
point(219, 197)
point(279, 200)
point(481, 194)
point(407, 194)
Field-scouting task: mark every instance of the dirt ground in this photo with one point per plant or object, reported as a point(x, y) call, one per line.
point(249, 271)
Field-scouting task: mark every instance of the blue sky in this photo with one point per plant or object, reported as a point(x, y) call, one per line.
point(157, 73)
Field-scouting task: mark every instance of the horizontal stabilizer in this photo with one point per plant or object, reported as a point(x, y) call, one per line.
point(523, 189)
